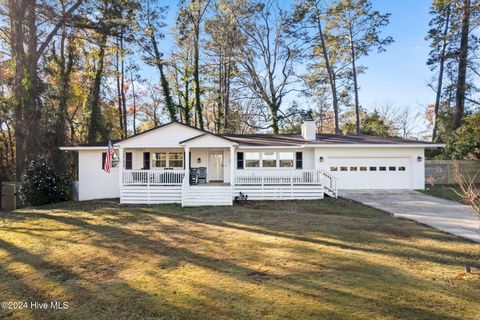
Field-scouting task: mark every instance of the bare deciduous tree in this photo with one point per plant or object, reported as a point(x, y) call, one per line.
point(470, 192)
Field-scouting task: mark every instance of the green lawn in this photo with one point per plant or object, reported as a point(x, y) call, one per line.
point(443, 191)
point(326, 259)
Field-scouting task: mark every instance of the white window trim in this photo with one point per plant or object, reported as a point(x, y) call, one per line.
point(167, 155)
point(277, 161)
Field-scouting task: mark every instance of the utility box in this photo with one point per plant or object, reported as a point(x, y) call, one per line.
point(10, 196)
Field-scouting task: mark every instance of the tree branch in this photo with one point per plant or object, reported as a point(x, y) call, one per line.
point(57, 27)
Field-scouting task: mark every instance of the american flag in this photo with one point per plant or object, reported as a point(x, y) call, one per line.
point(108, 157)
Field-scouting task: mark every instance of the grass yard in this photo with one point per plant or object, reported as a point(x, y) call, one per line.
point(443, 191)
point(327, 259)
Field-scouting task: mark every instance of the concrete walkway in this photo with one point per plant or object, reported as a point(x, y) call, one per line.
point(445, 215)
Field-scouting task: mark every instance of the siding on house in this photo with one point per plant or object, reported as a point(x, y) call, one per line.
point(93, 182)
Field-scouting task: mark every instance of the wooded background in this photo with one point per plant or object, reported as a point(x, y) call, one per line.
point(72, 71)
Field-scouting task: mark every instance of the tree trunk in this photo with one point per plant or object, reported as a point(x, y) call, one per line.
point(226, 103)
point(331, 76)
point(119, 89)
point(124, 99)
point(66, 68)
point(196, 78)
point(274, 111)
point(440, 74)
point(134, 104)
point(18, 57)
point(96, 127)
point(172, 112)
point(462, 65)
point(355, 83)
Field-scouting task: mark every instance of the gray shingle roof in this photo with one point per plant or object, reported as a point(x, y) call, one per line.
point(289, 140)
point(298, 140)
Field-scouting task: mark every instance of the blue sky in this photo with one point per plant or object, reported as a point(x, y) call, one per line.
point(398, 76)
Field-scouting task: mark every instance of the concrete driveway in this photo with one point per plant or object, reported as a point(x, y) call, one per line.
point(445, 215)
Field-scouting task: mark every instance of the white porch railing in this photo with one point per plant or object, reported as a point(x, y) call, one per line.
point(153, 177)
point(287, 177)
point(278, 177)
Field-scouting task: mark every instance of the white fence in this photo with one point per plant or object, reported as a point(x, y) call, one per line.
point(292, 177)
point(153, 177)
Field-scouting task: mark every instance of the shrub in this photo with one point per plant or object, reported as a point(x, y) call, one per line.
point(42, 184)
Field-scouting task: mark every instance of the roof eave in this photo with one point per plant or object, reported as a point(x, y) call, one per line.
point(83, 148)
point(377, 145)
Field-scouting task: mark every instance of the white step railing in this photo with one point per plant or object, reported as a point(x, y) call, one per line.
point(330, 183)
point(153, 177)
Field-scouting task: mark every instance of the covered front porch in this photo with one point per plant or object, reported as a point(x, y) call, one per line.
point(198, 172)
point(208, 170)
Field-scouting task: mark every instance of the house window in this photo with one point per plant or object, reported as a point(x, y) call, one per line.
point(383, 169)
point(269, 160)
point(363, 168)
point(298, 160)
point(333, 168)
point(239, 160)
point(353, 169)
point(114, 160)
point(128, 161)
point(159, 160)
point(252, 159)
point(175, 160)
point(286, 159)
point(343, 168)
point(401, 168)
point(373, 168)
point(392, 168)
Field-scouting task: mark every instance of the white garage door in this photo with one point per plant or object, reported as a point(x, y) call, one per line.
point(371, 173)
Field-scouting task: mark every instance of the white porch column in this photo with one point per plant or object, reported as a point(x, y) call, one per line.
point(187, 165)
point(232, 166)
point(120, 172)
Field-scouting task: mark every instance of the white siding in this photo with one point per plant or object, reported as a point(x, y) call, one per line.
point(167, 137)
point(209, 141)
point(93, 182)
point(151, 194)
point(207, 196)
point(280, 192)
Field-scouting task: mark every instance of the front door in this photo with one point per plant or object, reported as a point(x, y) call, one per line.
point(216, 166)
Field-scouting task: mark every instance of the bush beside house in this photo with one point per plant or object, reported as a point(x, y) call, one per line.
point(42, 184)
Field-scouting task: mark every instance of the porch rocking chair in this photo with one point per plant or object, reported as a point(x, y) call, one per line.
point(193, 175)
point(202, 175)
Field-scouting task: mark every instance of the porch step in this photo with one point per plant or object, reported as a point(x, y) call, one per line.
point(194, 196)
point(329, 192)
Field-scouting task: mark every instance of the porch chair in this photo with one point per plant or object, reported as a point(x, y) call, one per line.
point(202, 175)
point(193, 175)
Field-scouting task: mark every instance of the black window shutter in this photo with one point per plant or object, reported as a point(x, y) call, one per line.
point(146, 160)
point(239, 160)
point(298, 160)
point(104, 155)
point(128, 161)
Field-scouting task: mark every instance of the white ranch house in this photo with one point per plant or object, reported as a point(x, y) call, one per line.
point(155, 166)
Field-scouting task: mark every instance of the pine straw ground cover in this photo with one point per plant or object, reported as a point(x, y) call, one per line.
point(327, 259)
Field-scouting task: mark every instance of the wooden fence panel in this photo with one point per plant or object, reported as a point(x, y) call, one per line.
point(441, 171)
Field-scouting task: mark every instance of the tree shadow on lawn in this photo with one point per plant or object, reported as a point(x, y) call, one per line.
point(373, 239)
point(330, 289)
